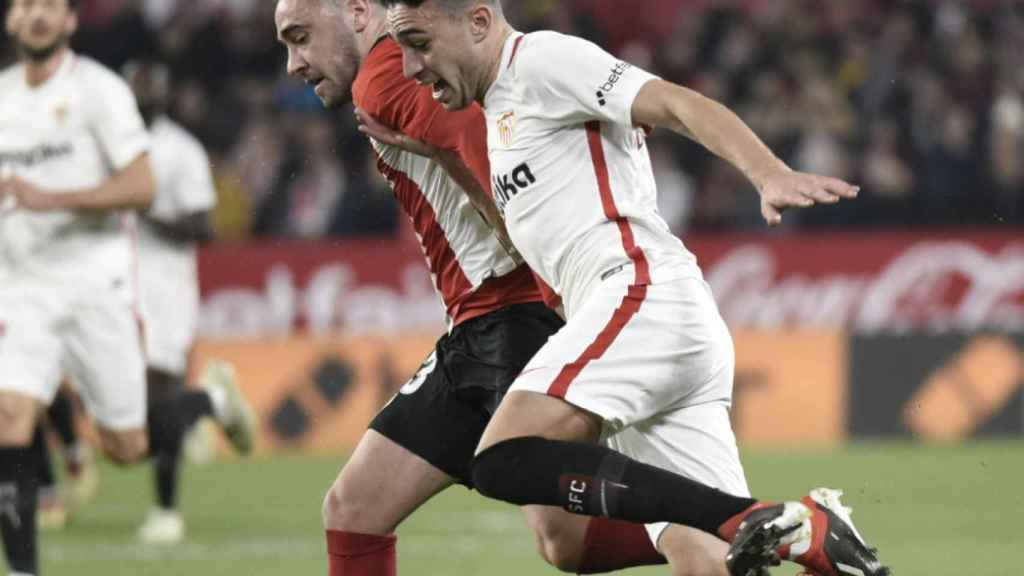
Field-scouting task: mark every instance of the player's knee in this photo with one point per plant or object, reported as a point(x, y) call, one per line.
point(557, 546)
point(127, 447)
point(496, 470)
point(341, 509)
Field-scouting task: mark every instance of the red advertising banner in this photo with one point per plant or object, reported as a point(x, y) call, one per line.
point(867, 281)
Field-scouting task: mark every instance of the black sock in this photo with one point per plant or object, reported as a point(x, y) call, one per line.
point(18, 509)
point(595, 481)
point(40, 451)
point(61, 415)
point(172, 413)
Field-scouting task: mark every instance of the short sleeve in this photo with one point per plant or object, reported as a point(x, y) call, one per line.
point(116, 120)
point(189, 188)
point(196, 181)
point(579, 79)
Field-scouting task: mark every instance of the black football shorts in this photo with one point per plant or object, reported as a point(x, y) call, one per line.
point(441, 412)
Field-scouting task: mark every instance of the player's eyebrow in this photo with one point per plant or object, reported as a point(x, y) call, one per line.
point(407, 33)
point(288, 32)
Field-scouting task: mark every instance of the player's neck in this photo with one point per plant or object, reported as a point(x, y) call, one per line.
point(494, 51)
point(370, 37)
point(38, 72)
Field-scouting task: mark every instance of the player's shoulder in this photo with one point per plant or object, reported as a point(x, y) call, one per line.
point(102, 84)
point(85, 68)
point(380, 75)
point(546, 49)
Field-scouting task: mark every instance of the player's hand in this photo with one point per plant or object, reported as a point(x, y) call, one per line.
point(28, 197)
point(371, 127)
point(785, 189)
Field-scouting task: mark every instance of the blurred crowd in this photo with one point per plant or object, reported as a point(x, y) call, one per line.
point(920, 102)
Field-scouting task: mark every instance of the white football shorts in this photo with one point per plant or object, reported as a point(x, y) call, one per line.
point(90, 333)
point(656, 363)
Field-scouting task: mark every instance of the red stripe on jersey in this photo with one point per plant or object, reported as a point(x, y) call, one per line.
point(515, 48)
point(451, 280)
point(516, 287)
point(635, 253)
point(636, 293)
point(631, 303)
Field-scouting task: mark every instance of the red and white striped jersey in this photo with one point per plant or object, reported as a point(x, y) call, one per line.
point(472, 271)
point(571, 174)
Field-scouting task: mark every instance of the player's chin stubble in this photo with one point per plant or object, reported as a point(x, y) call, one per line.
point(39, 54)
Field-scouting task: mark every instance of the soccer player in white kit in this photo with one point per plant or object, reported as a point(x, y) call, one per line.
point(169, 233)
point(645, 362)
point(73, 157)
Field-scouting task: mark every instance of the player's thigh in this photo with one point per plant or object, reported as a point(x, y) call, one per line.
point(380, 485)
point(105, 357)
point(526, 413)
point(30, 353)
point(692, 552)
point(18, 416)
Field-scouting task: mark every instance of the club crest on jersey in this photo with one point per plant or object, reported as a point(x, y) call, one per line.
point(506, 128)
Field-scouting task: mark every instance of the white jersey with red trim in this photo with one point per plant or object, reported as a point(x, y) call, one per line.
point(68, 134)
point(570, 172)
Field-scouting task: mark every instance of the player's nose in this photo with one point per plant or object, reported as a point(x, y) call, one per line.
point(412, 65)
point(296, 64)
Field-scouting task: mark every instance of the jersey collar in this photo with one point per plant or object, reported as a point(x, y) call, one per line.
point(508, 54)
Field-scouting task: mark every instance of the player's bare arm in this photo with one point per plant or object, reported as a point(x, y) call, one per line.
point(132, 187)
point(666, 105)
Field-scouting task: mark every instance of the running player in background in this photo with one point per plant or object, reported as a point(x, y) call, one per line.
point(645, 362)
point(422, 442)
point(169, 232)
point(74, 163)
point(73, 158)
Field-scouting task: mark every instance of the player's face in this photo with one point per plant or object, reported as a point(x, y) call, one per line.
point(437, 51)
point(40, 27)
point(321, 47)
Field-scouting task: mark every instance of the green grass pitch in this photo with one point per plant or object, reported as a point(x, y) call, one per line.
point(932, 511)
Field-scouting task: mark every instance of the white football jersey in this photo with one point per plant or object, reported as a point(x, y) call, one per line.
point(167, 270)
point(571, 173)
point(68, 134)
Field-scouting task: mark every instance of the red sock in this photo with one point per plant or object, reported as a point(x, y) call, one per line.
point(727, 531)
point(351, 554)
point(613, 545)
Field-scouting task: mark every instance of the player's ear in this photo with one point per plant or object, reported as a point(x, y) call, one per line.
point(481, 21)
point(11, 19)
point(71, 23)
point(359, 14)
